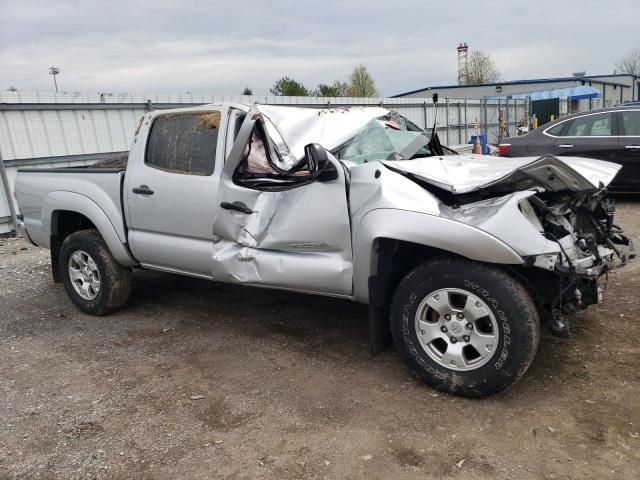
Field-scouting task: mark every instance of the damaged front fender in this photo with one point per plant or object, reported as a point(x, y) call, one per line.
point(423, 229)
point(510, 218)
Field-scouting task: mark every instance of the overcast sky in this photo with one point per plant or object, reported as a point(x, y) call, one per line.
point(221, 46)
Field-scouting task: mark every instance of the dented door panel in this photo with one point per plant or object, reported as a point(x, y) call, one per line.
point(304, 271)
point(298, 238)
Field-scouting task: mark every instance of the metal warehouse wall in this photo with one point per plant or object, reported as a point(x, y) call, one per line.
point(48, 129)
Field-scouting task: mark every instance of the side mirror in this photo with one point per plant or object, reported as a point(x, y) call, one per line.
point(320, 167)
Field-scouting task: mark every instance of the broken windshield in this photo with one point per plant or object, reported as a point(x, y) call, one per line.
point(391, 137)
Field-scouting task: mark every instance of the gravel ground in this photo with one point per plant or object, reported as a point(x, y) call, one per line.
point(200, 380)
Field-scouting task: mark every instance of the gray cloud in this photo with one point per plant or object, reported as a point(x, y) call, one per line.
point(219, 47)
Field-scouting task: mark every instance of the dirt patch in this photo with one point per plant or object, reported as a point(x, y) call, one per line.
point(118, 160)
point(209, 120)
point(201, 380)
point(407, 457)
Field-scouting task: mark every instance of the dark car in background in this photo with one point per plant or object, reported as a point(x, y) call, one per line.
point(611, 134)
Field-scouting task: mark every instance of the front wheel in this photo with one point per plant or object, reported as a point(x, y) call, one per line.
point(465, 328)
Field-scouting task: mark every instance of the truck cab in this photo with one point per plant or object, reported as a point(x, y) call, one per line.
point(187, 213)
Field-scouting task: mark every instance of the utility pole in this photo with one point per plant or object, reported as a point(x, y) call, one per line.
point(53, 71)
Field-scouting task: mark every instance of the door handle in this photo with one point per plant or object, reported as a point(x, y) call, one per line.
point(143, 190)
point(565, 145)
point(237, 206)
point(632, 147)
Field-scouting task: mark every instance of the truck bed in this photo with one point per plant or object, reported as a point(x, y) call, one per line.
point(43, 191)
point(109, 164)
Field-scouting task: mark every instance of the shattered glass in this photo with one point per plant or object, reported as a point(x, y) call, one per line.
point(384, 139)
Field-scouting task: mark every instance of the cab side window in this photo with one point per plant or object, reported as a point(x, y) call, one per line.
point(259, 169)
point(591, 126)
point(184, 143)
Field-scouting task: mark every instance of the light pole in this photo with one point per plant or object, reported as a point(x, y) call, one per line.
point(53, 70)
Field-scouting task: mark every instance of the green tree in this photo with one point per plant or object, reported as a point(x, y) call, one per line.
point(336, 89)
point(362, 83)
point(286, 86)
point(247, 91)
point(481, 69)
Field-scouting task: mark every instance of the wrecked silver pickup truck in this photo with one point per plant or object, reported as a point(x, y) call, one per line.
point(459, 258)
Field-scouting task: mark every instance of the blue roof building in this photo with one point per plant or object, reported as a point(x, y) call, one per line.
point(583, 92)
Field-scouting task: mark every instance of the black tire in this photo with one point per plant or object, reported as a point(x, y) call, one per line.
point(115, 280)
point(513, 309)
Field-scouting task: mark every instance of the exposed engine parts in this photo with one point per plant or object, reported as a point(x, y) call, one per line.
point(589, 247)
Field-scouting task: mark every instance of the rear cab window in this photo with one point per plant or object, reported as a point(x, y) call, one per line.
point(184, 143)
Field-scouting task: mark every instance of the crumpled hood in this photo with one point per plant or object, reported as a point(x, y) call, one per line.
point(332, 127)
point(467, 173)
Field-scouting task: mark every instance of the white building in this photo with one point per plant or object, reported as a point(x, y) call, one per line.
point(608, 90)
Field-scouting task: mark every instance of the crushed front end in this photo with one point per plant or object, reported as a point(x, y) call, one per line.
point(553, 211)
point(568, 242)
point(589, 243)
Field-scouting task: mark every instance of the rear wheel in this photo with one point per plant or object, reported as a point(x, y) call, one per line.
point(93, 279)
point(465, 328)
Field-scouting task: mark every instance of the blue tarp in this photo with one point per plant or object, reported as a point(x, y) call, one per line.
point(570, 93)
